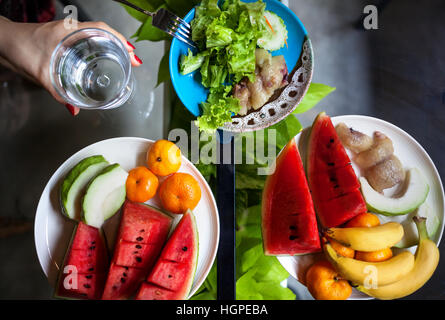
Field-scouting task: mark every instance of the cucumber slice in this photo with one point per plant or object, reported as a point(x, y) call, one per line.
point(104, 195)
point(75, 182)
point(272, 38)
point(415, 193)
point(410, 236)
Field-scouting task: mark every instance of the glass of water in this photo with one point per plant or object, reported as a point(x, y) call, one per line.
point(91, 69)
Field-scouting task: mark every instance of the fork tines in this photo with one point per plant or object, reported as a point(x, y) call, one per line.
point(174, 26)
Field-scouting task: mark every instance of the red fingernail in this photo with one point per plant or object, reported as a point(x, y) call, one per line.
point(138, 59)
point(73, 110)
point(132, 46)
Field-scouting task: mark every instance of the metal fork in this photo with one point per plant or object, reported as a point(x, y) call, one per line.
point(167, 22)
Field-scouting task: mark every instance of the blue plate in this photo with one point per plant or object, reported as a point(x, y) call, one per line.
point(188, 87)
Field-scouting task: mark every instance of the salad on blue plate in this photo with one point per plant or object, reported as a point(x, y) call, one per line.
point(234, 42)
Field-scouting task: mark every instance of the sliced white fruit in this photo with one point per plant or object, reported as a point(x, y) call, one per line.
point(415, 192)
point(275, 35)
point(75, 182)
point(410, 236)
point(104, 195)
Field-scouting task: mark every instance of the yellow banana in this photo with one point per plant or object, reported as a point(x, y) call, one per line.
point(427, 259)
point(371, 273)
point(368, 238)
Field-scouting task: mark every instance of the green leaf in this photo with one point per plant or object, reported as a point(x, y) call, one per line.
point(315, 93)
point(181, 7)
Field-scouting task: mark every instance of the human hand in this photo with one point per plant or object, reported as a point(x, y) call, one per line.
point(28, 50)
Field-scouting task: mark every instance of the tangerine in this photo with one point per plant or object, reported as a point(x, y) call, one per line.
point(366, 219)
point(179, 192)
point(164, 158)
point(341, 249)
point(325, 283)
point(374, 256)
point(141, 184)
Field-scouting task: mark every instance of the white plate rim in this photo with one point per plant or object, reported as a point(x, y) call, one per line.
point(285, 261)
point(41, 219)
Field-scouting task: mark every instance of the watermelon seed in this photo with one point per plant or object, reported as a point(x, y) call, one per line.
point(331, 141)
point(331, 164)
point(184, 249)
point(293, 237)
point(142, 230)
point(123, 280)
point(89, 276)
point(92, 247)
point(139, 239)
point(138, 246)
point(91, 269)
point(124, 274)
point(86, 285)
point(293, 227)
point(169, 275)
point(114, 287)
point(126, 268)
point(138, 259)
point(336, 186)
point(135, 252)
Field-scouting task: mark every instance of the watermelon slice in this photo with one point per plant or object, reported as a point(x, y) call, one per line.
point(332, 180)
point(142, 233)
point(289, 224)
point(85, 265)
point(172, 276)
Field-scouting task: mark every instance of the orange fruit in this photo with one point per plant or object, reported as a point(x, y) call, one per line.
point(366, 219)
point(374, 256)
point(324, 282)
point(179, 192)
point(141, 184)
point(164, 158)
point(341, 249)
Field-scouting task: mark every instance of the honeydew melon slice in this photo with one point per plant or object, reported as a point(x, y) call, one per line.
point(104, 195)
point(415, 193)
point(75, 182)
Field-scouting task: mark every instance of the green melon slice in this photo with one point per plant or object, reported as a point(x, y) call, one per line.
point(415, 193)
point(75, 182)
point(104, 195)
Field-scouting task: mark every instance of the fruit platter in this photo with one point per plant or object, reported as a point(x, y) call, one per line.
point(354, 210)
point(127, 218)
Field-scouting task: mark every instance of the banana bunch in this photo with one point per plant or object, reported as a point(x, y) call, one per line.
point(426, 261)
point(368, 239)
point(374, 274)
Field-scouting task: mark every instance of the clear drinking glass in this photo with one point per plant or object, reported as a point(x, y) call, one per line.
point(91, 69)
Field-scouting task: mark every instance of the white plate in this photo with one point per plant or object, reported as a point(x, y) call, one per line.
point(52, 230)
point(410, 153)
